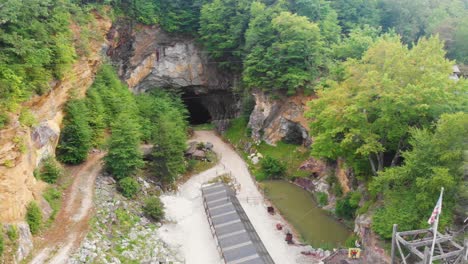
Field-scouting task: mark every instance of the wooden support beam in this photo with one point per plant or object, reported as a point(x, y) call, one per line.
point(401, 252)
point(395, 227)
point(428, 241)
point(414, 232)
point(448, 255)
point(412, 249)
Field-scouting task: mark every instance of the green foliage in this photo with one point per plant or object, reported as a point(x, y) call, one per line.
point(36, 47)
point(172, 16)
point(4, 120)
point(129, 187)
point(50, 170)
point(272, 167)
point(391, 89)
point(76, 136)
point(168, 151)
point(346, 207)
point(163, 119)
point(357, 42)
point(124, 157)
point(26, 118)
point(154, 208)
point(411, 191)
point(53, 196)
point(322, 198)
point(351, 241)
point(96, 117)
point(352, 13)
point(285, 51)
point(34, 217)
point(222, 27)
point(456, 42)
point(12, 233)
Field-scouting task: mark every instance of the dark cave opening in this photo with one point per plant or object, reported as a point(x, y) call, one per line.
point(198, 113)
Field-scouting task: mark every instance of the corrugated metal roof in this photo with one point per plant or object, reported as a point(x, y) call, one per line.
point(237, 239)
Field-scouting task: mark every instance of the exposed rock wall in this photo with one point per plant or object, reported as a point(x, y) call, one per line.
point(148, 58)
point(275, 119)
point(22, 148)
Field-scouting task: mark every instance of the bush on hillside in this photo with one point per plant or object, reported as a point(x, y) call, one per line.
point(50, 171)
point(273, 168)
point(154, 208)
point(13, 233)
point(346, 207)
point(129, 187)
point(34, 217)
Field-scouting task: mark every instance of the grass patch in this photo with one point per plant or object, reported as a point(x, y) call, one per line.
point(54, 197)
point(289, 154)
point(237, 131)
point(207, 126)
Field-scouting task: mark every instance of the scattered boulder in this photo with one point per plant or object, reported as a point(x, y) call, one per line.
point(199, 154)
point(209, 146)
point(25, 244)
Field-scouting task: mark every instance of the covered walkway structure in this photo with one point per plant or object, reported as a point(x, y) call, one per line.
point(237, 240)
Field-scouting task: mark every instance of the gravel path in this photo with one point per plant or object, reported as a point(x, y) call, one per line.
point(190, 231)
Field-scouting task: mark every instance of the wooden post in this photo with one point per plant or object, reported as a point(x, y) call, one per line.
point(427, 257)
point(395, 227)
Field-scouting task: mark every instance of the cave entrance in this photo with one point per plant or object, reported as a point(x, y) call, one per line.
point(199, 114)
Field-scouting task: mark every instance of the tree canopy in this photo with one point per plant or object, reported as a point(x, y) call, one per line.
point(391, 90)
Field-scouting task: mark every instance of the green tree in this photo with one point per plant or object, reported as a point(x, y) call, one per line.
point(352, 13)
point(369, 115)
point(50, 170)
point(222, 27)
point(124, 157)
point(97, 116)
point(292, 59)
point(75, 137)
point(410, 192)
point(357, 42)
point(168, 151)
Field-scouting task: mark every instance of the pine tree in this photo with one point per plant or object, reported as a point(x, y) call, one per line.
point(75, 139)
point(124, 157)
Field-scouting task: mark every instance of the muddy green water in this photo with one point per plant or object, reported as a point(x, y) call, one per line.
point(299, 208)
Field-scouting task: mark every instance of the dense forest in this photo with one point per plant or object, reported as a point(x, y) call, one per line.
point(380, 69)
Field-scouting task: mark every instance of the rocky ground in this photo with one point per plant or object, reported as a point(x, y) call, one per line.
point(120, 233)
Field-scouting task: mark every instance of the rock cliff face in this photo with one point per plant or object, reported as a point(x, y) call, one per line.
point(281, 119)
point(150, 58)
point(22, 148)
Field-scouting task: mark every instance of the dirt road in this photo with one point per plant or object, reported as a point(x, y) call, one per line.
point(71, 224)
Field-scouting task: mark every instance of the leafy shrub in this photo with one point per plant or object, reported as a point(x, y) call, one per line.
point(351, 241)
point(129, 187)
point(3, 120)
point(26, 118)
point(154, 208)
point(52, 196)
point(34, 217)
point(12, 233)
point(273, 167)
point(322, 198)
point(50, 170)
point(346, 207)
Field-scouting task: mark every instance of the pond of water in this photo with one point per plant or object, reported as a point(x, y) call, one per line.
point(315, 225)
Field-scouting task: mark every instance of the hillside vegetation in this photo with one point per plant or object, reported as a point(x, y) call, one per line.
point(380, 69)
